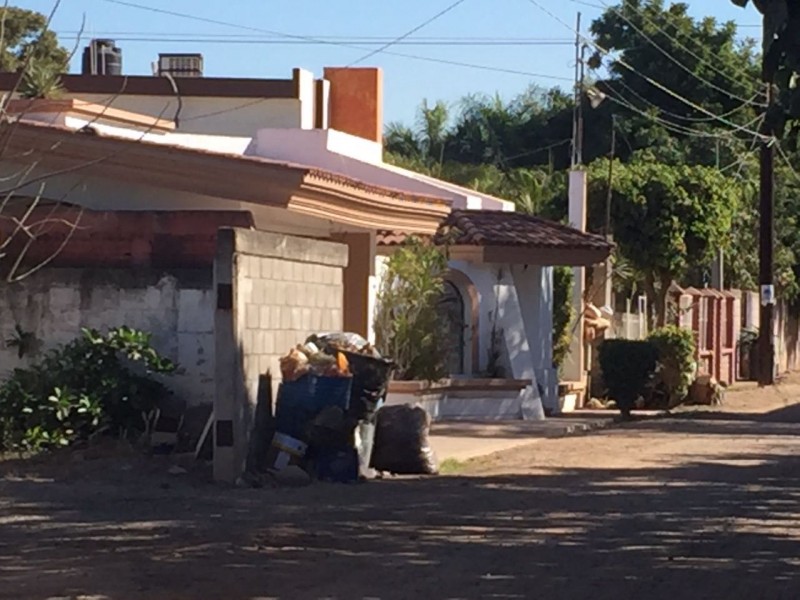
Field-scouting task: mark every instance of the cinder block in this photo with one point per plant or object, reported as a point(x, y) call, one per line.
point(297, 319)
point(326, 324)
point(266, 268)
point(265, 321)
point(252, 316)
point(276, 316)
point(269, 342)
point(264, 364)
point(316, 320)
point(280, 293)
point(306, 322)
point(269, 293)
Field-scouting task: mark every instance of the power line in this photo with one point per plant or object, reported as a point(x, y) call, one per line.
point(674, 40)
point(409, 33)
point(650, 80)
point(362, 42)
point(429, 59)
point(314, 37)
point(672, 114)
point(674, 127)
point(603, 7)
point(668, 125)
point(537, 150)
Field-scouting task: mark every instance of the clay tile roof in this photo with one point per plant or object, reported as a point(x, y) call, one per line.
point(387, 237)
point(501, 228)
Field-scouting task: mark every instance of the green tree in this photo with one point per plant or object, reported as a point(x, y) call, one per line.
point(666, 219)
point(23, 33)
point(781, 62)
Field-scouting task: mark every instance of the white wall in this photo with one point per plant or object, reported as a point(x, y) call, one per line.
point(208, 115)
point(177, 309)
point(363, 160)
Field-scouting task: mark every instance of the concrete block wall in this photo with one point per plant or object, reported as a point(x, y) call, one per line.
point(273, 291)
point(176, 307)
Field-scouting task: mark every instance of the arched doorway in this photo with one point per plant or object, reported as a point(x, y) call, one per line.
point(453, 312)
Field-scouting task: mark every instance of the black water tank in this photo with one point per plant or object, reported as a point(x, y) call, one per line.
point(102, 57)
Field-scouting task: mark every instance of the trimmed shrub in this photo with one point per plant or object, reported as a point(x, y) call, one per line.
point(676, 364)
point(628, 366)
point(94, 383)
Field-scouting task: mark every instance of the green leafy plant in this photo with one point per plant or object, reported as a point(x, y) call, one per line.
point(676, 365)
point(628, 367)
point(563, 313)
point(98, 382)
point(408, 325)
point(25, 342)
point(41, 81)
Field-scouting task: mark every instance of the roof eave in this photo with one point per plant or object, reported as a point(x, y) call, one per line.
point(527, 255)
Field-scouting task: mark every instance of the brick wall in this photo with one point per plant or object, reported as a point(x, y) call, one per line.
point(272, 292)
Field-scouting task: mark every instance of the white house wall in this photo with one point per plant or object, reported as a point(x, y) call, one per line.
point(534, 286)
point(214, 116)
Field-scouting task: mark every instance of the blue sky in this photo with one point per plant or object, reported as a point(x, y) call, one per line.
point(407, 80)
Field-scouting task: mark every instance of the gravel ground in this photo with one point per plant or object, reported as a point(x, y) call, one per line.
point(695, 506)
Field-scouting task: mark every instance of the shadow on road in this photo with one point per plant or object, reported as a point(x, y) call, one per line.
point(723, 526)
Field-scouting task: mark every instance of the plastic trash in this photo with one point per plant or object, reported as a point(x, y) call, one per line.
point(401, 444)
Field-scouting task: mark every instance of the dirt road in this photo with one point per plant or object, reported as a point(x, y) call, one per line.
point(707, 507)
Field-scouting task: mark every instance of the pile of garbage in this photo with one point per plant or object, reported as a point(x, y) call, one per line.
point(332, 387)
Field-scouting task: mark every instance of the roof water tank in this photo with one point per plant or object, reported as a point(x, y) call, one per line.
point(102, 57)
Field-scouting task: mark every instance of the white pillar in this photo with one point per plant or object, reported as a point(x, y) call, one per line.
point(574, 367)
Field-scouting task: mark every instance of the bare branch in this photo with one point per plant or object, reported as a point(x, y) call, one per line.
point(78, 39)
point(13, 276)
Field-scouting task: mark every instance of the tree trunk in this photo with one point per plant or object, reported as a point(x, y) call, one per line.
point(652, 297)
point(657, 297)
point(663, 296)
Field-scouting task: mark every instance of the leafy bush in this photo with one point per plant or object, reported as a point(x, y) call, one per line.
point(96, 382)
point(409, 328)
point(628, 366)
point(563, 313)
point(676, 364)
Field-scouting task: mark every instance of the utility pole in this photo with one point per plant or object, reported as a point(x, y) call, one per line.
point(766, 243)
point(611, 156)
point(718, 266)
point(577, 117)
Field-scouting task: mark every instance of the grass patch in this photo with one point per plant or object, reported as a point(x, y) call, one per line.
point(451, 466)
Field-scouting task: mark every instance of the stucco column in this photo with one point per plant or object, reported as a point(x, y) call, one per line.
point(358, 281)
point(574, 364)
point(534, 284)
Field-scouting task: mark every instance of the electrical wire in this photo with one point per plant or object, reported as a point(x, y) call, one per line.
point(429, 59)
point(409, 33)
point(672, 114)
point(675, 60)
point(362, 42)
point(537, 150)
point(650, 80)
point(674, 127)
point(787, 160)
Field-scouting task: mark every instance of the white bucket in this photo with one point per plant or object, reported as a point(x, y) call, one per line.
point(285, 450)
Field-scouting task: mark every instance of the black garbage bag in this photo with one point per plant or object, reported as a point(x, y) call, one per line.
point(401, 443)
